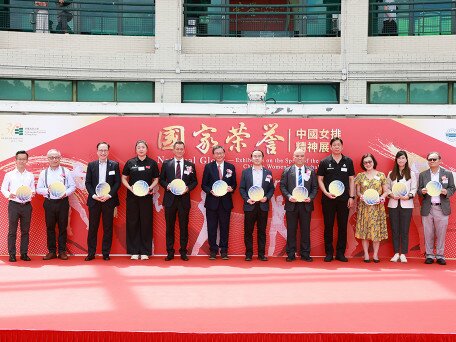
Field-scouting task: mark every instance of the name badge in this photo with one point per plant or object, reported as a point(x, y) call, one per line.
point(343, 169)
point(141, 168)
point(112, 173)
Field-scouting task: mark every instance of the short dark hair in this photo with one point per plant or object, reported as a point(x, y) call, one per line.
point(103, 143)
point(257, 150)
point(216, 147)
point(141, 142)
point(367, 155)
point(437, 153)
point(22, 152)
point(335, 139)
point(179, 142)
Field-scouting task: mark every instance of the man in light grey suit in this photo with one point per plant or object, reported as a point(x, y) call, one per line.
point(435, 210)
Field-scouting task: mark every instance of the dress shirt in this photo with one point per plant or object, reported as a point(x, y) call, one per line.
point(435, 178)
point(55, 176)
point(102, 165)
point(257, 176)
point(13, 180)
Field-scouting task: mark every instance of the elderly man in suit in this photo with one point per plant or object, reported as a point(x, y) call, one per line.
point(101, 171)
point(256, 211)
point(435, 210)
point(175, 204)
point(218, 208)
point(298, 175)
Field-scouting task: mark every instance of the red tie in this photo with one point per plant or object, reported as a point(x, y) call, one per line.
point(220, 171)
point(178, 169)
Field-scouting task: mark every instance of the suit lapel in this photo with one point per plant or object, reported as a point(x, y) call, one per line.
point(108, 167)
point(96, 172)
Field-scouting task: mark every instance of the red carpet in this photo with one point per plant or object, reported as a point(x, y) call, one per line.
point(271, 300)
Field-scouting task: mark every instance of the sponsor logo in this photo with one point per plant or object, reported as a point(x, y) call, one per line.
point(450, 134)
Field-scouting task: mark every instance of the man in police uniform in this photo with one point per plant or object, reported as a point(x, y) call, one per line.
point(336, 167)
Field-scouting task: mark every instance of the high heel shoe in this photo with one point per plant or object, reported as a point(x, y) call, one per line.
point(367, 260)
point(376, 261)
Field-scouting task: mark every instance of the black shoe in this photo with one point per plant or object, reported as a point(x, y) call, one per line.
point(49, 256)
point(441, 261)
point(342, 258)
point(429, 261)
point(169, 257)
point(25, 257)
point(367, 260)
point(184, 257)
point(89, 257)
point(307, 258)
point(290, 258)
point(328, 258)
point(376, 260)
point(12, 258)
point(262, 258)
point(248, 258)
point(212, 256)
point(225, 256)
point(106, 257)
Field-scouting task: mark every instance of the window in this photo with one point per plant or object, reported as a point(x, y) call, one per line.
point(54, 90)
point(95, 91)
point(16, 90)
point(135, 92)
point(412, 93)
point(433, 93)
point(388, 93)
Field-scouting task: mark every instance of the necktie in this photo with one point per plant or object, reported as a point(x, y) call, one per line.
point(220, 171)
point(299, 177)
point(178, 169)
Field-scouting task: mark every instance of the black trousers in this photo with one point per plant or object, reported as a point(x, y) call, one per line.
point(219, 218)
point(400, 224)
point(182, 213)
point(139, 224)
point(96, 212)
point(56, 213)
point(302, 217)
point(259, 217)
point(331, 208)
point(18, 212)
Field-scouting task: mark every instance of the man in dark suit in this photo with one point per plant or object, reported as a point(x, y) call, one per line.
point(177, 168)
point(256, 211)
point(298, 212)
point(218, 208)
point(435, 210)
point(99, 171)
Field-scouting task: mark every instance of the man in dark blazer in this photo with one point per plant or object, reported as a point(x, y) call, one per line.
point(298, 212)
point(256, 211)
point(101, 171)
point(218, 208)
point(435, 210)
point(177, 168)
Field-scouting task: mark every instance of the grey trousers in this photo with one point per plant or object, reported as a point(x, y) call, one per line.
point(435, 227)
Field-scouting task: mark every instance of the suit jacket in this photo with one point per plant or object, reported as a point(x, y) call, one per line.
point(168, 174)
point(411, 189)
point(112, 178)
point(447, 181)
point(288, 183)
point(210, 176)
point(247, 182)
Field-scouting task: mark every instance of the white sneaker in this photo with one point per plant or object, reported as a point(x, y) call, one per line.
point(395, 258)
point(134, 257)
point(144, 257)
point(403, 258)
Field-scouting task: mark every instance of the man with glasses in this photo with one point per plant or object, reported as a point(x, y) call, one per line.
point(18, 210)
point(56, 204)
point(101, 171)
point(435, 210)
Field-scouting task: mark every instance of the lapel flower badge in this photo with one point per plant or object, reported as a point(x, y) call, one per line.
point(268, 178)
point(188, 169)
point(229, 173)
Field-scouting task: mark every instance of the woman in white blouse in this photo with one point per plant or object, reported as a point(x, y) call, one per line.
point(401, 207)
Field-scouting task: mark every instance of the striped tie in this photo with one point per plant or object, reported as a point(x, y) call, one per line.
point(299, 177)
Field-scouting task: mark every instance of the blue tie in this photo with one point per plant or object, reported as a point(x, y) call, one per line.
point(299, 177)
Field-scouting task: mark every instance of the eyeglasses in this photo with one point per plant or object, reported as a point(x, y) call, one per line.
point(432, 159)
point(53, 158)
point(368, 162)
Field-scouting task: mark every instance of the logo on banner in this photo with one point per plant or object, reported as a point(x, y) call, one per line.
point(451, 135)
point(15, 132)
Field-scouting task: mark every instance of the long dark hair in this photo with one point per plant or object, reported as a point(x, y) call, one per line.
point(396, 173)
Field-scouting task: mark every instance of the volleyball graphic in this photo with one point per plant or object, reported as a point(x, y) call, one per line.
point(434, 188)
point(220, 188)
point(57, 189)
point(140, 188)
point(24, 193)
point(336, 188)
point(371, 197)
point(399, 189)
point(256, 193)
point(177, 186)
point(102, 189)
point(300, 193)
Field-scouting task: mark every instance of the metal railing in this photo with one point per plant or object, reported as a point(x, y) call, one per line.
point(268, 20)
point(412, 18)
point(116, 17)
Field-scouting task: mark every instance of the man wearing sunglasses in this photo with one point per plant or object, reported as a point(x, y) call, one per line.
point(435, 210)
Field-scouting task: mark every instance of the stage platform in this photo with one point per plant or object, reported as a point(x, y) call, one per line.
point(231, 300)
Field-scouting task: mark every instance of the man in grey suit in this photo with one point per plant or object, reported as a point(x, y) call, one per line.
point(256, 211)
point(293, 176)
point(435, 210)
